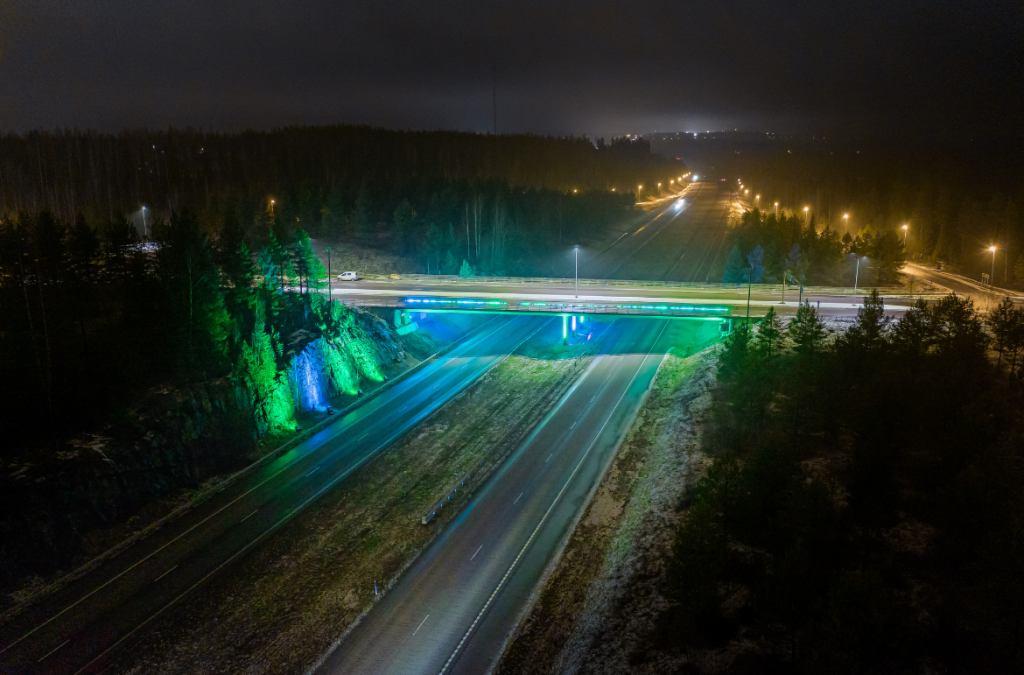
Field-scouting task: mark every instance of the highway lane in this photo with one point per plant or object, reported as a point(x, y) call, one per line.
point(72, 628)
point(687, 246)
point(454, 608)
point(620, 260)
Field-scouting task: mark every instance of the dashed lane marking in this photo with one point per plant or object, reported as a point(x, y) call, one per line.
point(166, 573)
point(421, 624)
point(481, 546)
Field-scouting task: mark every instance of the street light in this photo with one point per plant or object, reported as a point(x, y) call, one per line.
point(330, 293)
point(145, 231)
point(905, 230)
point(805, 215)
point(992, 278)
point(856, 276)
point(577, 250)
point(271, 208)
point(846, 223)
point(776, 209)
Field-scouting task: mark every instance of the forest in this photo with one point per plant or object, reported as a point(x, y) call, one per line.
point(862, 511)
point(501, 202)
point(145, 352)
point(772, 249)
point(957, 198)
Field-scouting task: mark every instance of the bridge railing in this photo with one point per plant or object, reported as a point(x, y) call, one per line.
point(499, 307)
point(889, 291)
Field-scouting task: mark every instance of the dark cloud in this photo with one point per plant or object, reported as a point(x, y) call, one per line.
point(603, 67)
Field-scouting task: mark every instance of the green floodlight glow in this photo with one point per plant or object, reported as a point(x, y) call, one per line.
point(451, 301)
point(565, 326)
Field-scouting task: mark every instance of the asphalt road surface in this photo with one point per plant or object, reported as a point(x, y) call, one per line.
point(680, 240)
point(71, 630)
point(452, 611)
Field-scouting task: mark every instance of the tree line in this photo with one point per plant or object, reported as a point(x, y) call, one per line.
point(499, 202)
point(956, 202)
point(862, 511)
point(772, 249)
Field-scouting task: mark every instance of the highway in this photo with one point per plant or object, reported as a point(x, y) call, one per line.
point(454, 608)
point(71, 630)
point(681, 239)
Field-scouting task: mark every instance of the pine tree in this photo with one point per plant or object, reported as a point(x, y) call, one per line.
point(735, 267)
point(1004, 321)
point(755, 260)
point(466, 271)
point(770, 334)
point(733, 360)
point(450, 265)
point(868, 334)
point(806, 330)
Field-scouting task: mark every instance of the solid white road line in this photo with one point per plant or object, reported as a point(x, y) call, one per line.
point(51, 652)
point(551, 508)
point(421, 624)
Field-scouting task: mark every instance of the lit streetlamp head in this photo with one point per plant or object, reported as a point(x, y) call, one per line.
point(904, 227)
point(992, 248)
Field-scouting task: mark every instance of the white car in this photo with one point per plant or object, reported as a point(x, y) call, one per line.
point(348, 276)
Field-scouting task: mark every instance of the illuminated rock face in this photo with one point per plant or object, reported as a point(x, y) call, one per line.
point(331, 367)
point(306, 376)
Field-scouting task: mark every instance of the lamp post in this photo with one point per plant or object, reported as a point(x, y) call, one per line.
point(856, 276)
point(905, 230)
point(750, 279)
point(145, 230)
point(846, 223)
point(992, 278)
point(776, 209)
point(271, 208)
point(330, 295)
point(577, 250)
point(806, 210)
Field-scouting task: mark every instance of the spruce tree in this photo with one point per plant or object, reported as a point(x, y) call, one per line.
point(735, 267)
point(770, 334)
point(806, 330)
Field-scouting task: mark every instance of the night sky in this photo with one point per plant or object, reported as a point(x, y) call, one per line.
point(922, 69)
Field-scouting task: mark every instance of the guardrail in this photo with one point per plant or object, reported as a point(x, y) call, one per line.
point(638, 283)
point(502, 307)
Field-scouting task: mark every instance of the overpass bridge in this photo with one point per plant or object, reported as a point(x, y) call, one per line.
point(531, 295)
